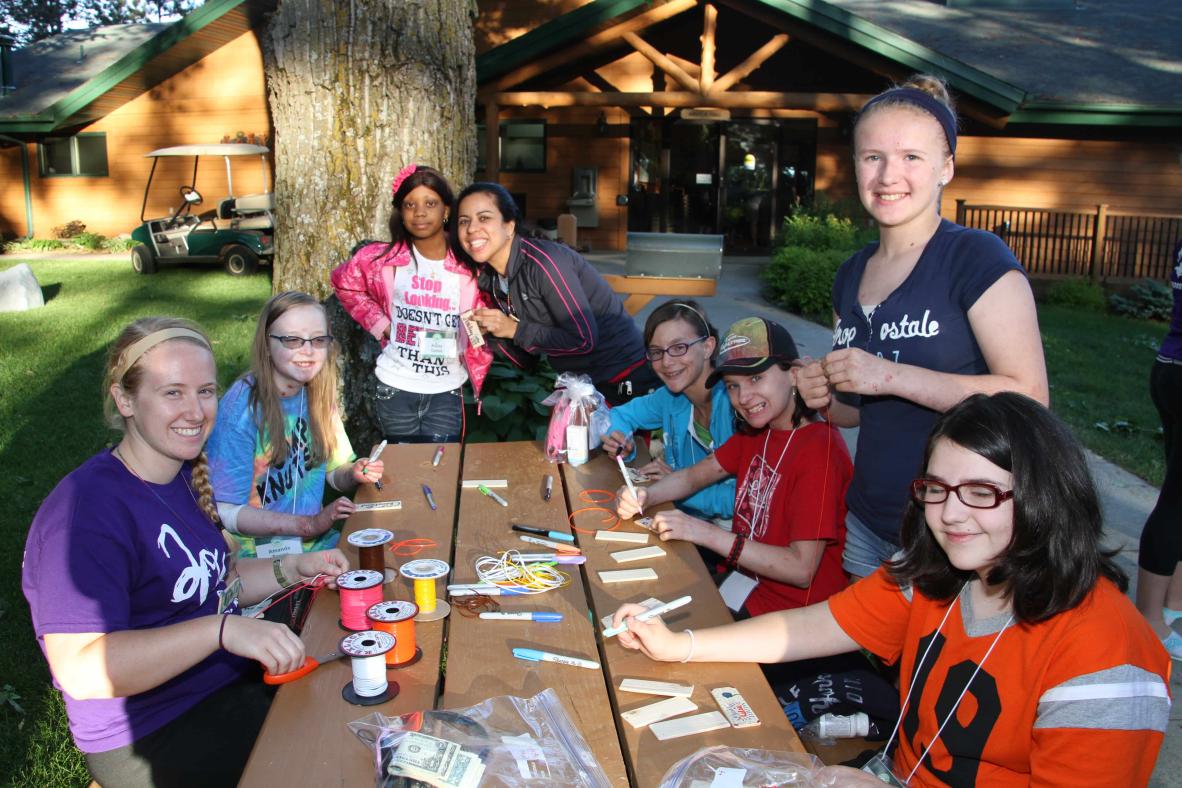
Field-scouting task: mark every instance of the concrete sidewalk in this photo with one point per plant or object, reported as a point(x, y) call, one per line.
point(1126, 499)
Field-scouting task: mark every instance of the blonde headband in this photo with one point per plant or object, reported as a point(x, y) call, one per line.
point(142, 346)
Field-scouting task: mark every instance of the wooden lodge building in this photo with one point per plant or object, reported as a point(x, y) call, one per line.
point(668, 115)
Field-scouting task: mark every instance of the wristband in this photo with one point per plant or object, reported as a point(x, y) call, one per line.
point(732, 559)
point(690, 655)
point(280, 575)
point(222, 630)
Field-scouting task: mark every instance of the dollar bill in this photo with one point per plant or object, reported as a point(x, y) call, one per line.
point(423, 757)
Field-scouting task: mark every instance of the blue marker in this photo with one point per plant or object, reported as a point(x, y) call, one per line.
point(524, 615)
point(558, 535)
point(430, 497)
point(533, 655)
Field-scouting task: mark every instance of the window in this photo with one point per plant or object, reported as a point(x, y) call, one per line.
point(523, 146)
point(82, 154)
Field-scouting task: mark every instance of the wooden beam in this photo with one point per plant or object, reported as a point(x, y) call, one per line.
point(709, 25)
point(589, 46)
point(492, 141)
point(756, 59)
point(597, 84)
point(818, 102)
point(660, 61)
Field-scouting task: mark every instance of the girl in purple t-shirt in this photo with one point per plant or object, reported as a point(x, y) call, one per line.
point(134, 590)
point(924, 317)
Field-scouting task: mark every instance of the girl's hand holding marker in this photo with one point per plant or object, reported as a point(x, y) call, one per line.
point(630, 501)
point(652, 638)
point(370, 469)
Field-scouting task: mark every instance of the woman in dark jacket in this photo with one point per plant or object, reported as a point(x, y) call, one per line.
point(548, 299)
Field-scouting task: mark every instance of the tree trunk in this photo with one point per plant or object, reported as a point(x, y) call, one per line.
point(357, 90)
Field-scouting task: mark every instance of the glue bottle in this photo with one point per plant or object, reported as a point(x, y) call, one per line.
point(576, 434)
point(838, 726)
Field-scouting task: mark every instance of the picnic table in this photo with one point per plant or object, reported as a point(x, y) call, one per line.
point(305, 739)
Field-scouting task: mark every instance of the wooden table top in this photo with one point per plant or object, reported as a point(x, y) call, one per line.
point(304, 740)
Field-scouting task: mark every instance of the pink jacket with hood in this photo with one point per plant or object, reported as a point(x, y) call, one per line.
point(365, 286)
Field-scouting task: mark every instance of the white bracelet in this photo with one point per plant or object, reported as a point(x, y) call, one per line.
point(690, 655)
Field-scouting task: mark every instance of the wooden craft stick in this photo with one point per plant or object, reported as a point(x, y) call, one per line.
point(378, 506)
point(639, 554)
point(632, 537)
point(492, 484)
point(627, 575)
point(646, 687)
point(688, 726)
point(655, 712)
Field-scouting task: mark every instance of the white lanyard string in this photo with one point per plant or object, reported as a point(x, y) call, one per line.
point(760, 506)
point(959, 698)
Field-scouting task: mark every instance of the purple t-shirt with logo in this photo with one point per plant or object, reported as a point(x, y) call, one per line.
point(105, 554)
point(925, 323)
point(1171, 346)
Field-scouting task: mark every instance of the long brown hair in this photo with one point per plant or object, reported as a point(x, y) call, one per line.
point(264, 394)
point(130, 383)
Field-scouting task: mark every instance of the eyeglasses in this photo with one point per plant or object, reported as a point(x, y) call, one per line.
point(677, 349)
point(976, 495)
point(295, 343)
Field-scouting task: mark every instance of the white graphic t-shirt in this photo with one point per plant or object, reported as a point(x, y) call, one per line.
point(423, 354)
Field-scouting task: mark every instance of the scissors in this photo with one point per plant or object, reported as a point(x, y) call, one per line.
point(310, 664)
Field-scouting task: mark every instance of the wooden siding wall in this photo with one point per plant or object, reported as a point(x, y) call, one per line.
point(572, 140)
point(220, 95)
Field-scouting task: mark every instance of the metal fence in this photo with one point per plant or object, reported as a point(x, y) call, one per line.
point(1102, 245)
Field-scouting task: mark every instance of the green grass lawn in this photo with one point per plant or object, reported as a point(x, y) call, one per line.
point(1099, 371)
point(51, 365)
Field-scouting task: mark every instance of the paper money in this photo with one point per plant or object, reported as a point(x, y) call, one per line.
point(436, 762)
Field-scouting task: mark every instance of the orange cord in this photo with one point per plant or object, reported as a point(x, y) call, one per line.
point(610, 517)
point(585, 496)
point(410, 547)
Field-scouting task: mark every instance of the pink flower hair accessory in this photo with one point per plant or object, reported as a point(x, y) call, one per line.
point(402, 175)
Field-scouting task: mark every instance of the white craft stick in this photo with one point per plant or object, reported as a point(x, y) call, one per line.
point(647, 604)
point(646, 687)
point(378, 506)
point(655, 712)
point(621, 536)
point(688, 726)
point(492, 484)
point(627, 575)
point(735, 707)
point(639, 554)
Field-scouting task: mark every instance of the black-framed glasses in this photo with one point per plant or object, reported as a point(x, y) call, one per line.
point(295, 343)
point(976, 495)
point(677, 349)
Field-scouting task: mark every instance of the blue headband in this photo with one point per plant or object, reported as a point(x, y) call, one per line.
point(937, 109)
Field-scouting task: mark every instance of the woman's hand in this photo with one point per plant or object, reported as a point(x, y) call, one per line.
point(366, 472)
point(615, 440)
point(317, 524)
point(628, 507)
point(495, 322)
point(656, 470)
point(268, 642)
point(813, 385)
point(856, 371)
point(652, 638)
point(328, 563)
point(676, 524)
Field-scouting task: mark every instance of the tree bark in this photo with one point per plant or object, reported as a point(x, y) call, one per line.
point(357, 90)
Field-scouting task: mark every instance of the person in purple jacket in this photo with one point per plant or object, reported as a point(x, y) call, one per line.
point(1159, 575)
point(135, 591)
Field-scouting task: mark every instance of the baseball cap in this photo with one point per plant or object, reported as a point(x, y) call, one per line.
point(750, 346)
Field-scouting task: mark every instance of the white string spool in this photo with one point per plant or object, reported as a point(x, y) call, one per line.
point(366, 651)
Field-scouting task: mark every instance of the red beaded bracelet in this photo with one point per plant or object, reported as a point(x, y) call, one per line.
point(732, 560)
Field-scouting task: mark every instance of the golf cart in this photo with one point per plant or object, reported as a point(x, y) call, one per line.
point(237, 233)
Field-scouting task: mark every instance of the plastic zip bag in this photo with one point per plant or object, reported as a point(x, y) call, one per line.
point(734, 766)
point(578, 419)
point(518, 741)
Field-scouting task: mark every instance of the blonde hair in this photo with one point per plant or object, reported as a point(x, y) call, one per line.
point(930, 84)
point(132, 376)
point(264, 394)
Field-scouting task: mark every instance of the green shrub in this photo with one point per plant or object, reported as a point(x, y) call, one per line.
point(1077, 294)
point(92, 241)
point(34, 245)
point(812, 232)
point(511, 404)
point(801, 280)
point(68, 230)
point(119, 244)
point(1146, 300)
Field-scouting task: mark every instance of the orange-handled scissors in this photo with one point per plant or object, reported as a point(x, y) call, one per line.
point(310, 664)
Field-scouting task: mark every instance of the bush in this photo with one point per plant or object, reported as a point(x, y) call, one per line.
point(829, 232)
point(1077, 294)
point(68, 230)
point(511, 404)
point(34, 245)
point(801, 280)
point(124, 244)
point(1146, 300)
point(91, 241)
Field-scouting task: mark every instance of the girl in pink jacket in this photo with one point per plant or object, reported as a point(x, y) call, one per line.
point(409, 294)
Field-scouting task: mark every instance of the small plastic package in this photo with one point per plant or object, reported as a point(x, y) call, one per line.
point(578, 419)
point(504, 741)
point(737, 767)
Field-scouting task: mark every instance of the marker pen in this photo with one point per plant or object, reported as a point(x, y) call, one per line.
point(558, 558)
point(524, 615)
point(628, 480)
point(430, 497)
point(377, 453)
point(493, 591)
point(650, 613)
point(489, 493)
point(563, 548)
point(529, 529)
point(548, 487)
point(438, 456)
point(533, 655)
